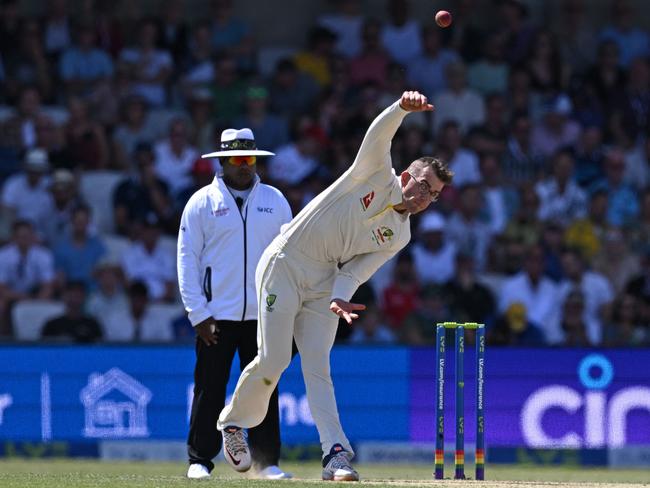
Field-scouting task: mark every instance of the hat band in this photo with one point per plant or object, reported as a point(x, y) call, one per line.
point(238, 144)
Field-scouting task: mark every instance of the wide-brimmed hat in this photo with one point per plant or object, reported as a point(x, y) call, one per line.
point(237, 142)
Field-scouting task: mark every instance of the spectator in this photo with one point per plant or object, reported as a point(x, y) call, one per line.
point(524, 227)
point(227, 90)
point(638, 236)
point(427, 72)
point(589, 156)
point(18, 131)
point(135, 127)
point(295, 161)
point(632, 41)
point(202, 125)
point(57, 28)
point(346, 23)
point(402, 295)
point(142, 194)
point(371, 329)
point(396, 84)
point(631, 117)
point(401, 35)
point(639, 286)
point(9, 27)
point(150, 67)
point(490, 73)
point(27, 64)
point(463, 162)
point(492, 135)
point(514, 329)
point(203, 174)
point(615, 261)
point(458, 102)
point(26, 271)
point(518, 31)
point(573, 323)
point(270, 130)
point(465, 229)
point(538, 294)
point(65, 197)
point(197, 67)
point(561, 199)
point(594, 287)
point(433, 255)
point(469, 300)
point(587, 234)
point(419, 325)
point(575, 35)
point(556, 130)
point(25, 195)
point(637, 166)
point(500, 198)
point(316, 61)
point(109, 296)
point(137, 323)
point(147, 260)
point(548, 75)
point(77, 254)
point(84, 67)
point(522, 161)
point(606, 78)
point(371, 63)
point(552, 241)
point(623, 203)
point(291, 91)
point(174, 157)
point(173, 30)
point(74, 325)
point(232, 35)
point(625, 329)
point(86, 139)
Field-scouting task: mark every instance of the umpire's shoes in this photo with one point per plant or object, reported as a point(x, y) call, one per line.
point(274, 473)
point(197, 472)
point(336, 465)
point(235, 448)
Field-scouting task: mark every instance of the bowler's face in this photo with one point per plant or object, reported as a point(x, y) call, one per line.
point(420, 190)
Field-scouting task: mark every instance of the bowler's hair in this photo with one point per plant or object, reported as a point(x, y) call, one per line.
point(439, 167)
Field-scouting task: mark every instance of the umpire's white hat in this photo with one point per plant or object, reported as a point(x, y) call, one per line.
point(237, 142)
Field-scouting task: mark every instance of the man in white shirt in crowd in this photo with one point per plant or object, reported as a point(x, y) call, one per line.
point(433, 254)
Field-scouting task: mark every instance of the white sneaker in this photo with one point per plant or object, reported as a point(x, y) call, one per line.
point(235, 448)
point(197, 472)
point(274, 473)
point(337, 465)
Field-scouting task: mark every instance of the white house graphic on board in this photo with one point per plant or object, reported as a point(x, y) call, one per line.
point(116, 405)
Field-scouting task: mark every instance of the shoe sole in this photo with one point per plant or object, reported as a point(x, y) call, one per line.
point(347, 477)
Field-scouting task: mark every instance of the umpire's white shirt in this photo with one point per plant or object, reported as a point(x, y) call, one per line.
point(219, 247)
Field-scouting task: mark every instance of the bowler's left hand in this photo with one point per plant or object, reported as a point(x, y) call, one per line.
point(345, 309)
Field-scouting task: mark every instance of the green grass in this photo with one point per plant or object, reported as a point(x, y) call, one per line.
point(85, 473)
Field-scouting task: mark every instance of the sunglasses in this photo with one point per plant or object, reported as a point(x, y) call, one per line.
point(242, 160)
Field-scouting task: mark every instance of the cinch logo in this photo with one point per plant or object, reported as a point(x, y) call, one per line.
point(604, 419)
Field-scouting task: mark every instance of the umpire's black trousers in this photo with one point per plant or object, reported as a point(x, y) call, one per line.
point(210, 378)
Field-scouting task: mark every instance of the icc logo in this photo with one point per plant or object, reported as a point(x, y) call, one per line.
point(604, 419)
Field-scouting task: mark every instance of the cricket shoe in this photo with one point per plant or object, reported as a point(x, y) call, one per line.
point(197, 472)
point(336, 465)
point(236, 449)
point(274, 473)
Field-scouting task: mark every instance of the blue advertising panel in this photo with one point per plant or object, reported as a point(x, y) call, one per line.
point(115, 392)
point(542, 398)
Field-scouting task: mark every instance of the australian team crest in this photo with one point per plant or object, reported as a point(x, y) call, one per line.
point(270, 300)
point(382, 234)
point(366, 200)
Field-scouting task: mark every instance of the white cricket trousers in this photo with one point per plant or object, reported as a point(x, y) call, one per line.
point(293, 293)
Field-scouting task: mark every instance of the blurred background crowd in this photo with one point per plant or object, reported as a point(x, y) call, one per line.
point(544, 236)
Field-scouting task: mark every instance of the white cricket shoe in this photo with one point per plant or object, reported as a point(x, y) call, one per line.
point(337, 465)
point(274, 473)
point(197, 472)
point(235, 448)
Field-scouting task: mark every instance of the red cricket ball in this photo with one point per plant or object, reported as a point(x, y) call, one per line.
point(443, 18)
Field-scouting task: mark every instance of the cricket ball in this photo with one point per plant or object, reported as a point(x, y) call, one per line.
point(443, 18)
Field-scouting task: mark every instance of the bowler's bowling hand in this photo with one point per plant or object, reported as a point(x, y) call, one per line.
point(345, 309)
point(207, 330)
point(413, 101)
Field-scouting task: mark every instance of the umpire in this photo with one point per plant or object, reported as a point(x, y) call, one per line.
point(224, 229)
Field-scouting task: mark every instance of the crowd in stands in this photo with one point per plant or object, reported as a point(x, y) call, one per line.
point(544, 235)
